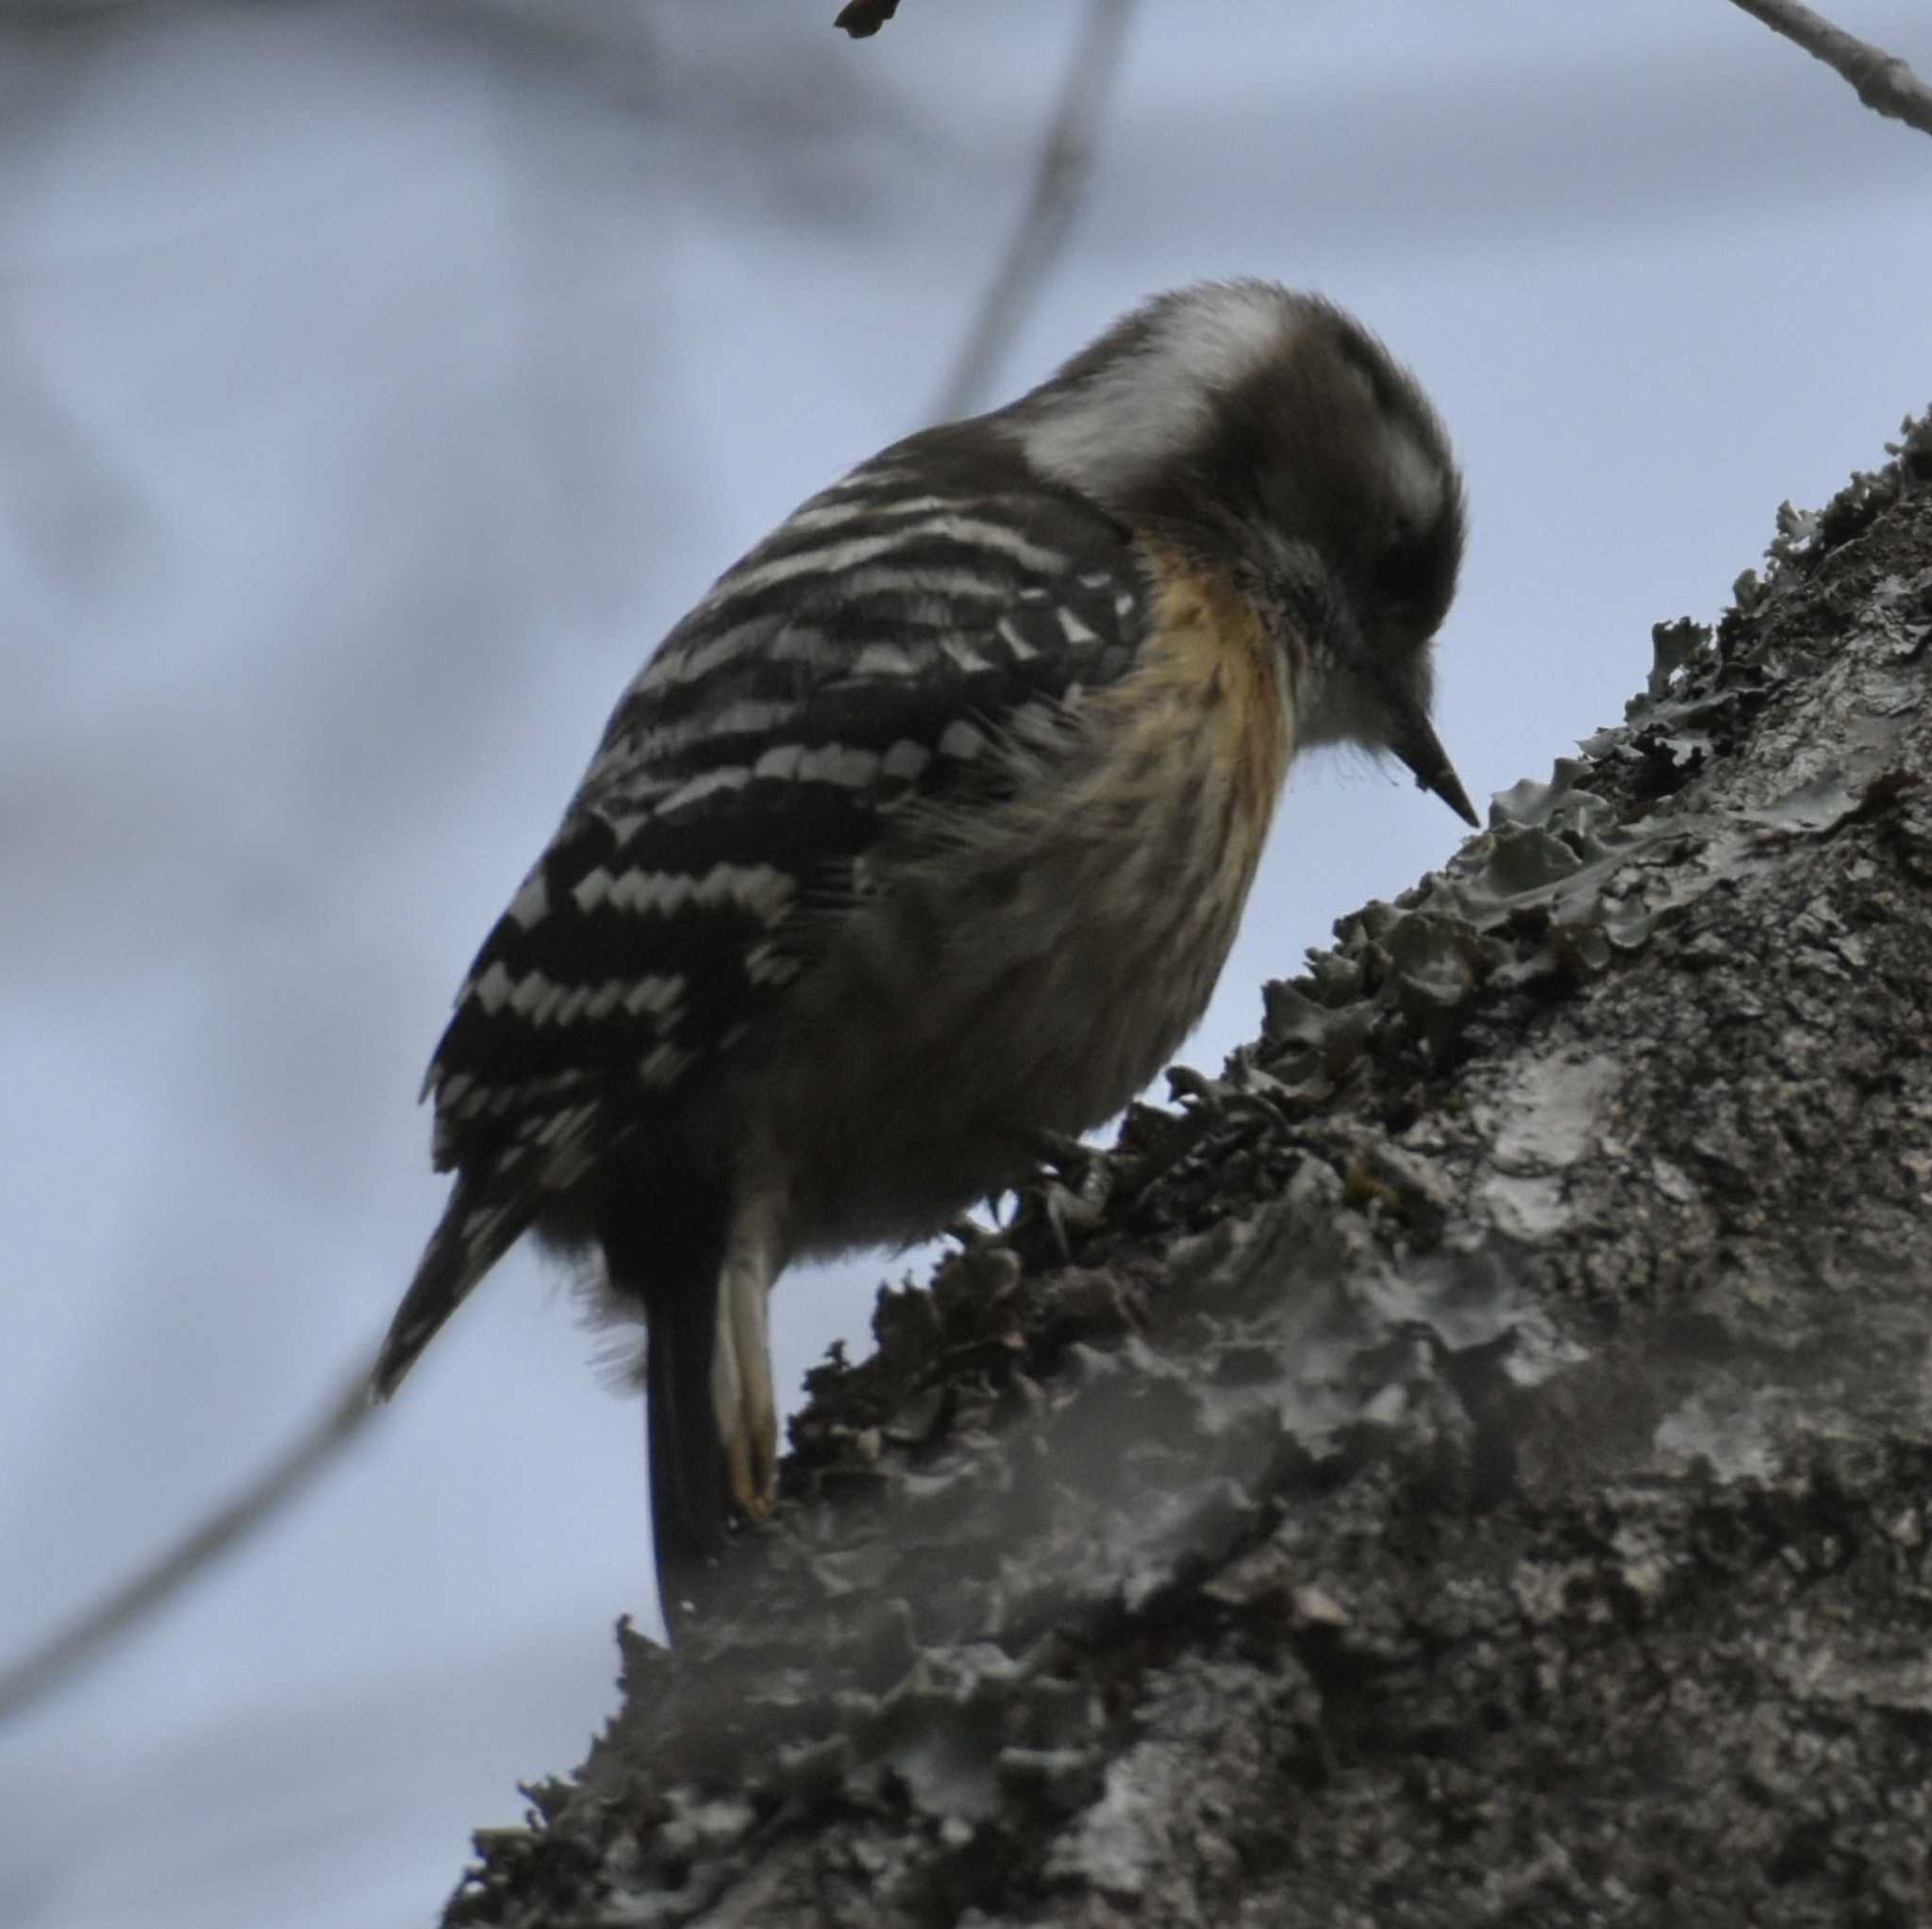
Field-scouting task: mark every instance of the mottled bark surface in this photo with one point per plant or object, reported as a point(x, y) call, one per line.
point(1472, 1463)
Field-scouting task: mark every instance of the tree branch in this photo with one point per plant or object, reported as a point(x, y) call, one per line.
point(1883, 83)
point(1064, 165)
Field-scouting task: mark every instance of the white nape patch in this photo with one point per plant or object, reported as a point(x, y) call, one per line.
point(1101, 434)
point(531, 905)
point(1416, 477)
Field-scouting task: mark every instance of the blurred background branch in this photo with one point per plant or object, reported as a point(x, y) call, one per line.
point(62, 503)
point(90, 1635)
point(1065, 162)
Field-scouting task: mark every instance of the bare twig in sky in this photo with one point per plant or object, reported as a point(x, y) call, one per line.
point(1882, 80)
point(74, 514)
point(861, 19)
point(1063, 168)
point(38, 1674)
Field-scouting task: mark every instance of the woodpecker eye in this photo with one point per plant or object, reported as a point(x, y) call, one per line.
point(1413, 576)
point(1403, 571)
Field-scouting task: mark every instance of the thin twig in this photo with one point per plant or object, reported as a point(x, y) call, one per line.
point(861, 19)
point(77, 514)
point(84, 1641)
point(1056, 188)
point(1882, 80)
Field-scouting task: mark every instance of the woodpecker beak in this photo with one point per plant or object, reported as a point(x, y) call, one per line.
point(1421, 750)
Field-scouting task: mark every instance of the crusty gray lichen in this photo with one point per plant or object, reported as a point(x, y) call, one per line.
point(1468, 1463)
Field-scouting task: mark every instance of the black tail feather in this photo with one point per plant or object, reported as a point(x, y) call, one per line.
point(662, 1255)
point(469, 1239)
point(687, 1477)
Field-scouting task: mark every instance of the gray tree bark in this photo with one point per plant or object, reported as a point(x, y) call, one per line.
point(1468, 1464)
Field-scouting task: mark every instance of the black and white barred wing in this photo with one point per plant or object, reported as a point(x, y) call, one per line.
point(865, 656)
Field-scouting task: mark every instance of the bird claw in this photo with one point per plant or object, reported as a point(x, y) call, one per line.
point(1065, 1208)
point(970, 1235)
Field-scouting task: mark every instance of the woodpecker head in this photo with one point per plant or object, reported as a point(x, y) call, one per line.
point(1269, 432)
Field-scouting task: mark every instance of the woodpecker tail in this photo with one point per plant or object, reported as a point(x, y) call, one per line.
point(688, 1471)
point(469, 1239)
point(663, 1253)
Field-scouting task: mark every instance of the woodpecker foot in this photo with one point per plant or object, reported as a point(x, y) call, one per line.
point(970, 1235)
point(1068, 1195)
point(742, 1397)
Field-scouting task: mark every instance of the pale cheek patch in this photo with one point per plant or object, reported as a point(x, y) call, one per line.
point(1416, 477)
